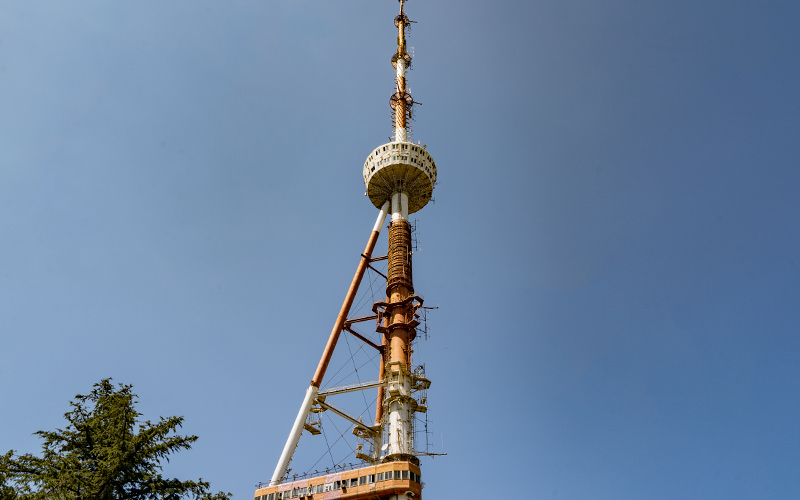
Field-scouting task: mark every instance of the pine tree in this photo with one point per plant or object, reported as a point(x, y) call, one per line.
point(104, 453)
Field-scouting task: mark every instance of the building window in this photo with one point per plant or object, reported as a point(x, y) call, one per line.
point(380, 476)
point(397, 474)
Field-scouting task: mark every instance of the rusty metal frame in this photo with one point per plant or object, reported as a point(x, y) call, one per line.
point(380, 273)
point(361, 319)
point(338, 325)
point(362, 338)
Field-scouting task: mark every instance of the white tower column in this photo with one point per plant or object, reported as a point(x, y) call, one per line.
point(399, 403)
point(399, 207)
point(400, 431)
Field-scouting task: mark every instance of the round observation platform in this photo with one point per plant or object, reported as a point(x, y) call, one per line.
point(400, 167)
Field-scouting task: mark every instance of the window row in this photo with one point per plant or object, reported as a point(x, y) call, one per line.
point(344, 483)
point(416, 149)
point(395, 158)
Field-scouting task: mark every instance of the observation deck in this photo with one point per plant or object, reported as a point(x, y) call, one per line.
point(400, 167)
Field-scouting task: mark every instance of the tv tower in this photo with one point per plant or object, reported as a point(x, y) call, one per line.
point(399, 177)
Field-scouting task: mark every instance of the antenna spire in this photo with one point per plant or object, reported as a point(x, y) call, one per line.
point(400, 169)
point(401, 101)
point(401, 37)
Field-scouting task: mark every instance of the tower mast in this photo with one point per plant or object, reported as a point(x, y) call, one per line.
point(401, 100)
point(401, 304)
point(399, 177)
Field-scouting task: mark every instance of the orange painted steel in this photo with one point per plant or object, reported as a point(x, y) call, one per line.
point(399, 271)
point(381, 377)
point(399, 289)
point(401, 101)
point(345, 310)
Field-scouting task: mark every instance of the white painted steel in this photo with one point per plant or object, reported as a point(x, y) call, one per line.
point(381, 217)
point(399, 206)
point(400, 132)
point(400, 414)
point(353, 388)
point(343, 414)
point(376, 446)
point(404, 162)
point(294, 436)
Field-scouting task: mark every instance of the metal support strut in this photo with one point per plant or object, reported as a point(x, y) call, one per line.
point(313, 390)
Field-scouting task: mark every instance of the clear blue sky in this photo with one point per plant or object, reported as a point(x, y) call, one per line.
point(614, 244)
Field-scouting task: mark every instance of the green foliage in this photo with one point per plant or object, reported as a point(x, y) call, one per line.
point(102, 454)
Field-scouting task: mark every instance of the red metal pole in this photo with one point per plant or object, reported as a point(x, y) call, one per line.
point(348, 299)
